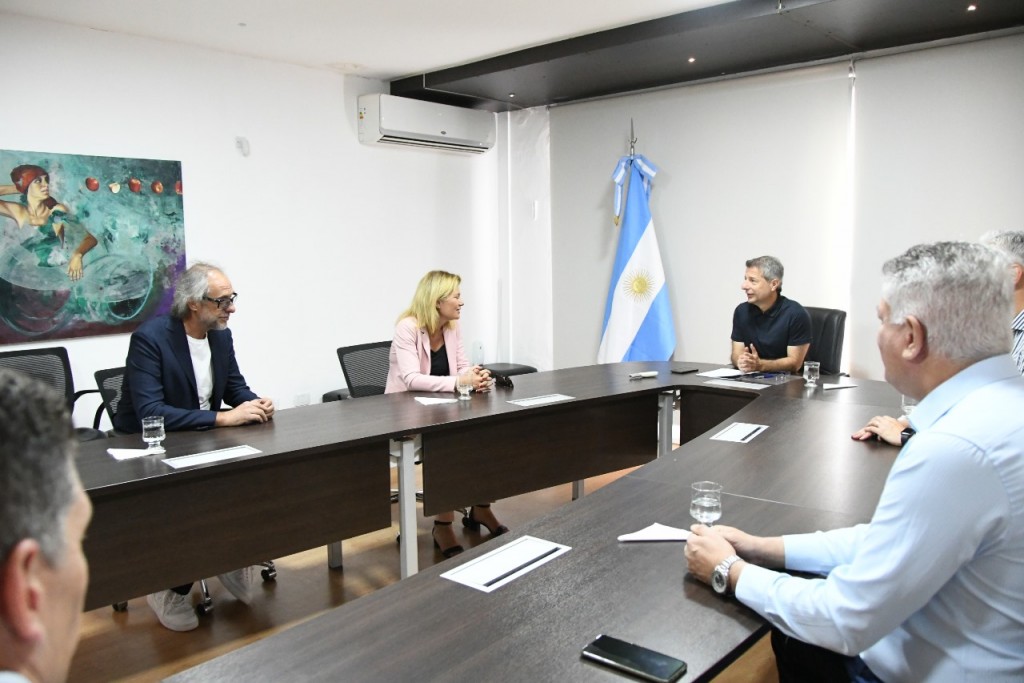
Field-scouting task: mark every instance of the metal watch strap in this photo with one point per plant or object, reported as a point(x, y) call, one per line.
point(723, 569)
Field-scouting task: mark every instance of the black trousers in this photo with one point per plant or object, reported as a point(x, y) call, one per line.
point(799, 662)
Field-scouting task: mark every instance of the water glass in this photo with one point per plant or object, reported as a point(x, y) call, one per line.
point(706, 503)
point(153, 433)
point(812, 370)
point(464, 388)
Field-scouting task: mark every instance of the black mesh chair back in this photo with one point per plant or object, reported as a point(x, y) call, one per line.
point(828, 329)
point(365, 367)
point(109, 382)
point(52, 367)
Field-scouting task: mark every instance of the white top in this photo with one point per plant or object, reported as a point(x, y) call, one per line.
point(199, 349)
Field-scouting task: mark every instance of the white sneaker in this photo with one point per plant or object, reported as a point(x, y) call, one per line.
point(239, 583)
point(173, 610)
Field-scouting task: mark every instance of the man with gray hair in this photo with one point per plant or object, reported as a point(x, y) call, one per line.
point(1011, 243)
point(183, 367)
point(770, 333)
point(43, 516)
point(932, 589)
point(897, 431)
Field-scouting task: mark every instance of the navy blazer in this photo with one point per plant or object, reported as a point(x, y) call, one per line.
point(159, 379)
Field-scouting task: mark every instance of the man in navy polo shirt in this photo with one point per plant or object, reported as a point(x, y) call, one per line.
point(770, 333)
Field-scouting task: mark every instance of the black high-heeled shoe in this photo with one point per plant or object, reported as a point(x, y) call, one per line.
point(471, 522)
point(450, 551)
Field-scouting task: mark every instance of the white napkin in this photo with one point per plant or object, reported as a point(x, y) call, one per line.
point(126, 453)
point(656, 532)
point(427, 401)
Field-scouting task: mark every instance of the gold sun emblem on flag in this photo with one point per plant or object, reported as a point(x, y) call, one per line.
point(639, 285)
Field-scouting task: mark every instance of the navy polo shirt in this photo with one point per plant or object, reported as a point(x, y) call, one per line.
point(784, 324)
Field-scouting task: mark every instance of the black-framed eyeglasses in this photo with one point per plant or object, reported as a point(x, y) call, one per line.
point(224, 301)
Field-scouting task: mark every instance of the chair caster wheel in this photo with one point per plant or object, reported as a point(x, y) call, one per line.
point(268, 574)
point(202, 609)
point(120, 606)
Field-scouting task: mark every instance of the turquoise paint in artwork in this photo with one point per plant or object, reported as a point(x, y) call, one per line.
point(88, 245)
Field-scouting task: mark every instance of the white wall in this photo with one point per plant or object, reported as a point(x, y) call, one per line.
point(932, 148)
point(324, 238)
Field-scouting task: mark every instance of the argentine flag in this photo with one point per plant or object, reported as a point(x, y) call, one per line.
point(637, 316)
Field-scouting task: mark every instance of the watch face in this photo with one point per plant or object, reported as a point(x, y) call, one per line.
point(718, 581)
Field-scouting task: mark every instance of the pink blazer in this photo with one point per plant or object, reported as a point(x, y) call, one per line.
point(409, 368)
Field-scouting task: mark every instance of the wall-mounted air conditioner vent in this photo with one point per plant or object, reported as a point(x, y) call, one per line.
point(402, 121)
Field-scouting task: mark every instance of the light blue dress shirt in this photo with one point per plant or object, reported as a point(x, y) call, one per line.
point(932, 589)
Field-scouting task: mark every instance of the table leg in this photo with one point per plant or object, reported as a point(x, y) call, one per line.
point(403, 450)
point(666, 403)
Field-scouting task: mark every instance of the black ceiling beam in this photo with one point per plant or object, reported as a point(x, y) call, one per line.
point(734, 38)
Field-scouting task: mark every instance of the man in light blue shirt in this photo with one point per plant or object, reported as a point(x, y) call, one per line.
point(932, 589)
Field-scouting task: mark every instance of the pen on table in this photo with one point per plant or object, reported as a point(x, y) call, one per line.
point(755, 430)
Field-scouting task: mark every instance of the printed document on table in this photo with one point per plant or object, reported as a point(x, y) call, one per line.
point(210, 456)
point(541, 400)
point(655, 532)
point(506, 564)
point(736, 384)
point(721, 372)
point(740, 432)
point(126, 453)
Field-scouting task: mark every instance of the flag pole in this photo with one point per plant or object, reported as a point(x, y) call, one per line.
point(632, 138)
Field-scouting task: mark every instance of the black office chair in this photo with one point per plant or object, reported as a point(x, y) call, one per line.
point(365, 367)
point(109, 382)
point(51, 366)
point(828, 328)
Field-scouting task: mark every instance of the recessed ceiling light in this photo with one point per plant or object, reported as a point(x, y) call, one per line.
point(691, 60)
point(511, 95)
point(971, 8)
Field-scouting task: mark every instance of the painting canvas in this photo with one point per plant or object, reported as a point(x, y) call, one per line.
point(89, 245)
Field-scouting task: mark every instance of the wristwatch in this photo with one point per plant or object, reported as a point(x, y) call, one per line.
point(720, 575)
point(905, 435)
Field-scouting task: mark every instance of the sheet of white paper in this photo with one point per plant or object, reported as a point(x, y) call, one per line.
point(741, 432)
point(127, 453)
point(656, 532)
point(210, 456)
point(505, 564)
point(721, 372)
point(837, 385)
point(735, 384)
point(541, 400)
point(427, 401)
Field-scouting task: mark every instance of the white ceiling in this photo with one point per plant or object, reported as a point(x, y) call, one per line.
point(383, 39)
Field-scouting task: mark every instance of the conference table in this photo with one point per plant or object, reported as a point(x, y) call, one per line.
point(321, 474)
point(801, 473)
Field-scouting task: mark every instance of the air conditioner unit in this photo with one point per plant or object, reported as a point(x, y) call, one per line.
point(403, 121)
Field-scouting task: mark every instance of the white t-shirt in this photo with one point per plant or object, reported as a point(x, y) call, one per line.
point(199, 349)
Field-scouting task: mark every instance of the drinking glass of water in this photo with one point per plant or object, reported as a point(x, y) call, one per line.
point(706, 503)
point(812, 370)
point(153, 433)
point(464, 388)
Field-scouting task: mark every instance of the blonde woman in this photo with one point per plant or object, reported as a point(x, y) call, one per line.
point(427, 355)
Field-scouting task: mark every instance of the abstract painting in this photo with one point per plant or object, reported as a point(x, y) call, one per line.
point(89, 245)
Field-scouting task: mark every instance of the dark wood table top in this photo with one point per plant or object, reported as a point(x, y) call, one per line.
point(429, 628)
point(804, 473)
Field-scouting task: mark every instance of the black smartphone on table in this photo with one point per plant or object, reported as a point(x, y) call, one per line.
point(634, 659)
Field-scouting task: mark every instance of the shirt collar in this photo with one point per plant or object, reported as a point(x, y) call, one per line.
point(943, 397)
point(1018, 322)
